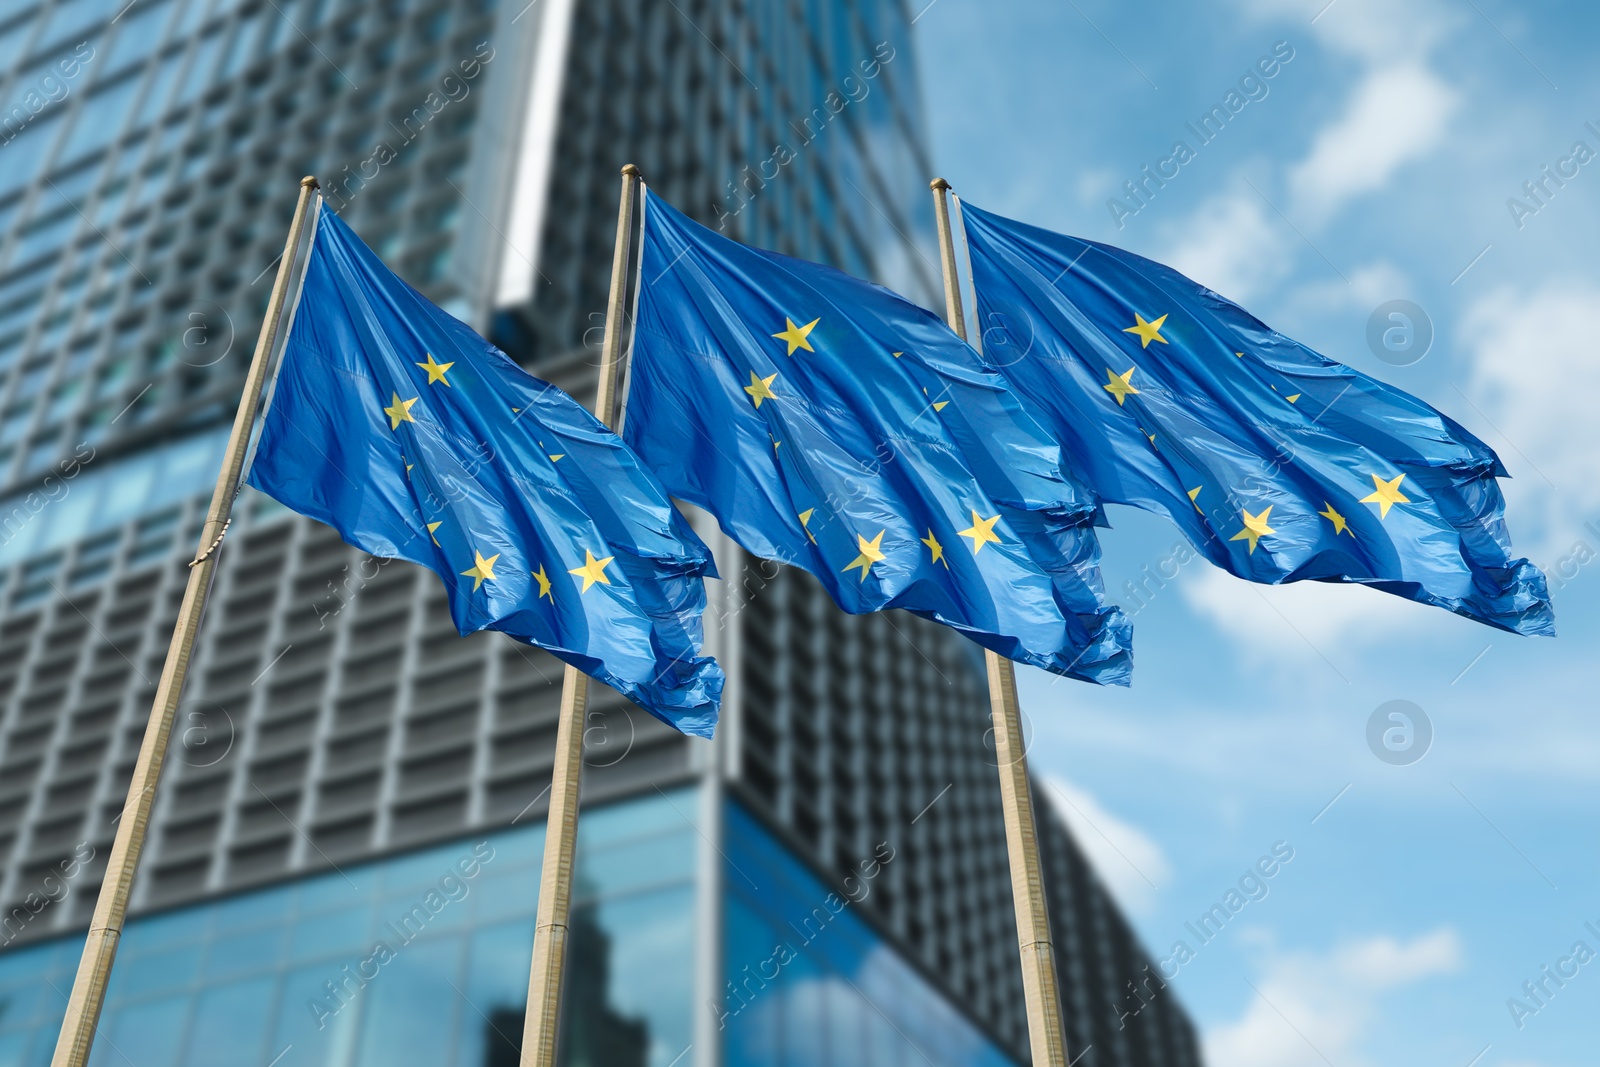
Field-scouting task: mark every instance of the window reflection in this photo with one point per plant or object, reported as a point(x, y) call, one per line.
point(235, 981)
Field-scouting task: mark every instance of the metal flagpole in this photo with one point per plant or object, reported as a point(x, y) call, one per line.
point(1046, 1034)
point(110, 910)
point(543, 1018)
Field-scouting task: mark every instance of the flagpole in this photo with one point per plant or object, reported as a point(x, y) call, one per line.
point(542, 1022)
point(88, 995)
point(1046, 1034)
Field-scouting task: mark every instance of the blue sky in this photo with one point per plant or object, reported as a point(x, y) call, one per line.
point(1377, 167)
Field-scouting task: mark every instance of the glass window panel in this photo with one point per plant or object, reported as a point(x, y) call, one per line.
point(45, 236)
point(159, 971)
point(149, 1032)
point(138, 35)
point(325, 1038)
point(198, 75)
point(69, 22)
point(29, 152)
point(279, 31)
point(100, 118)
point(393, 1029)
point(153, 104)
point(637, 954)
point(11, 42)
point(239, 49)
point(70, 188)
point(230, 1024)
point(12, 1047)
point(245, 953)
point(336, 933)
point(111, 200)
point(193, 11)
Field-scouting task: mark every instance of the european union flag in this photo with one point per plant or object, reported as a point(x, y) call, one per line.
point(400, 427)
point(1278, 463)
point(832, 425)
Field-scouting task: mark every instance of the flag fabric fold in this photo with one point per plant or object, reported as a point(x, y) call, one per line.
point(832, 425)
point(393, 422)
point(1278, 463)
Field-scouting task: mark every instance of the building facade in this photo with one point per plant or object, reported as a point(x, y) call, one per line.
point(342, 865)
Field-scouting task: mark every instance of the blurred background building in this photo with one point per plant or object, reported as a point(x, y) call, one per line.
point(343, 863)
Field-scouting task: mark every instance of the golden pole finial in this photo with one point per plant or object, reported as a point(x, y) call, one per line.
point(938, 185)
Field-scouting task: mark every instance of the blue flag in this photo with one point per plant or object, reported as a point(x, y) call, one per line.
point(1278, 463)
point(397, 425)
point(832, 425)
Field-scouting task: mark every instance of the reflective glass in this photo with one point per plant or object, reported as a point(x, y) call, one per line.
point(810, 984)
point(69, 21)
point(138, 34)
point(100, 118)
point(399, 961)
point(29, 150)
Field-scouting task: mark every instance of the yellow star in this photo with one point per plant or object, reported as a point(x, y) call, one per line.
point(936, 548)
point(795, 336)
point(1255, 527)
point(1193, 493)
point(761, 388)
point(435, 370)
point(1386, 494)
point(1339, 525)
point(805, 523)
point(1292, 397)
point(408, 466)
point(593, 570)
point(399, 411)
point(482, 569)
point(870, 554)
point(432, 526)
point(1146, 331)
point(544, 584)
point(981, 531)
point(1120, 385)
point(938, 405)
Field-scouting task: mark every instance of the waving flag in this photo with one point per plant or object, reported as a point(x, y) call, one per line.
point(832, 425)
point(397, 425)
point(1278, 463)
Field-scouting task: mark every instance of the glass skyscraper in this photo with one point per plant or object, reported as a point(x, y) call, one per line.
point(343, 862)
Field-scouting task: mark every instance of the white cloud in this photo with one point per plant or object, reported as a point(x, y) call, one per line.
point(1230, 246)
point(1313, 1008)
point(1127, 859)
point(1533, 382)
point(1374, 30)
point(1396, 115)
point(1303, 621)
